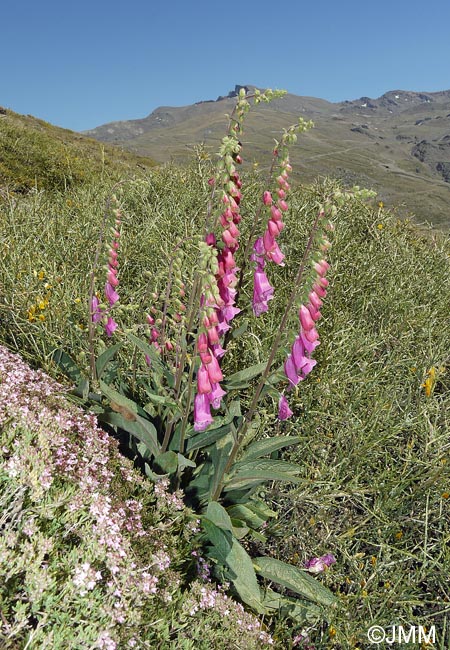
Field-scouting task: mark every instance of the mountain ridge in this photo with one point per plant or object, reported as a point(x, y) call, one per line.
point(397, 144)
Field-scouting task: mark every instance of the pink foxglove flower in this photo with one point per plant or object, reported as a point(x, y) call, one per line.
point(320, 564)
point(111, 294)
point(284, 412)
point(203, 381)
point(110, 326)
point(202, 412)
point(96, 312)
point(215, 396)
point(291, 371)
point(262, 293)
point(214, 372)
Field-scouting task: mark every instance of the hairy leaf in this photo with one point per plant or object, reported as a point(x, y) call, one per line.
point(227, 551)
point(168, 462)
point(206, 438)
point(267, 446)
point(295, 579)
point(301, 611)
point(245, 481)
point(219, 516)
point(67, 365)
point(140, 428)
point(105, 358)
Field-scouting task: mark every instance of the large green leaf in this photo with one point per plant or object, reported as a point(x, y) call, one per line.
point(105, 358)
point(248, 473)
point(168, 462)
point(219, 516)
point(246, 515)
point(227, 551)
point(295, 579)
point(301, 611)
point(67, 365)
point(162, 400)
point(207, 438)
point(198, 488)
point(242, 378)
point(219, 453)
point(244, 482)
point(261, 509)
point(267, 446)
point(266, 465)
point(118, 398)
point(139, 427)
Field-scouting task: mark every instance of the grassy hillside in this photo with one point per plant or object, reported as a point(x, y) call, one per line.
point(35, 154)
point(373, 416)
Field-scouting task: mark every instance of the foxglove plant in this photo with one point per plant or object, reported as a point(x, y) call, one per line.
point(190, 426)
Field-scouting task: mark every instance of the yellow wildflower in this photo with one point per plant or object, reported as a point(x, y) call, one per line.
point(380, 226)
point(41, 317)
point(430, 381)
point(41, 275)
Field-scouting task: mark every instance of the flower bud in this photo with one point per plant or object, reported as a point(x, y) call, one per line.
point(267, 198)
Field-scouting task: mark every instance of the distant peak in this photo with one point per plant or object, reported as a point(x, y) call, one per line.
point(235, 92)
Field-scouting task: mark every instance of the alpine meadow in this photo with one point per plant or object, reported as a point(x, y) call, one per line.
point(224, 385)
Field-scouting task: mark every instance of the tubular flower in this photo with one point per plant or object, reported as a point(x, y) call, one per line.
point(262, 289)
point(320, 564)
point(284, 412)
point(110, 326)
point(202, 412)
point(203, 381)
point(96, 312)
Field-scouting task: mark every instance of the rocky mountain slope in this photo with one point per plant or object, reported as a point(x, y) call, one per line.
point(398, 144)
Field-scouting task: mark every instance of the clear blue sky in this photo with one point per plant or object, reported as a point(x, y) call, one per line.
point(81, 63)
